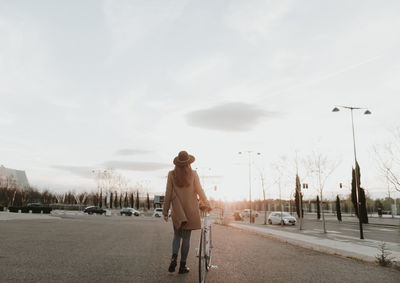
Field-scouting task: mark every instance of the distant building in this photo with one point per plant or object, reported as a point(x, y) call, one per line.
point(13, 178)
point(158, 200)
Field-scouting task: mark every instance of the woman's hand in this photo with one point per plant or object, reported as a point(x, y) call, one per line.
point(205, 208)
point(166, 218)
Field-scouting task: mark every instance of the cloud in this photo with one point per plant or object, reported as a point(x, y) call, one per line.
point(229, 117)
point(81, 171)
point(136, 166)
point(128, 151)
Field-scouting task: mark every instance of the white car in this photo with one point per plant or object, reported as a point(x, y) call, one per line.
point(285, 218)
point(157, 212)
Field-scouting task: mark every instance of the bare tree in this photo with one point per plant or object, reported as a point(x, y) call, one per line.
point(263, 190)
point(388, 159)
point(321, 167)
point(281, 169)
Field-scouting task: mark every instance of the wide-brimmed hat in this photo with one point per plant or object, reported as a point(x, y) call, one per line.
point(183, 159)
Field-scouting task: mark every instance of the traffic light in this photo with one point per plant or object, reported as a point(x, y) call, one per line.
point(340, 185)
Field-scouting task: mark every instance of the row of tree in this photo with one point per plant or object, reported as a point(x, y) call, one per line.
point(11, 196)
point(310, 205)
point(360, 206)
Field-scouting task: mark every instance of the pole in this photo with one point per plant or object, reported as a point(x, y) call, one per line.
point(356, 177)
point(265, 204)
point(250, 182)
point(280, 201)
point(322, 202)
point(388, 187)
point(301, 209)
point(300, 204)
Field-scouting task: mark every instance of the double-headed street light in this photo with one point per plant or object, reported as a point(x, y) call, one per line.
point(249, 152)
point(366, 112)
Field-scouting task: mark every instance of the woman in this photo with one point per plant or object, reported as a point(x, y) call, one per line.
point(183, 187)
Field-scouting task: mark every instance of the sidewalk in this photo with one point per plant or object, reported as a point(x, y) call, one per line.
point(365, 250)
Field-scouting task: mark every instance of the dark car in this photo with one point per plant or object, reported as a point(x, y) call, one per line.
point(34, 204)
point(129, 211)
point(94, 209)
point(237, 217)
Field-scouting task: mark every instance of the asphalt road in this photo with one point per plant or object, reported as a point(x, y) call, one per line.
point(137, 249)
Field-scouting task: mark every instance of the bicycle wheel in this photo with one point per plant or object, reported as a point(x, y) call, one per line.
point(202, 258)
point(208, 265)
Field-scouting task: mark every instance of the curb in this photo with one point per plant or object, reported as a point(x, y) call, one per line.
point(309, 247)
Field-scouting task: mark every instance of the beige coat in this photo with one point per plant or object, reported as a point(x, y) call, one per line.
point(185, 206)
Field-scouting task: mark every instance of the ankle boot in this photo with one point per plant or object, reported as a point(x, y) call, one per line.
point(183, 268)
point(172, 265)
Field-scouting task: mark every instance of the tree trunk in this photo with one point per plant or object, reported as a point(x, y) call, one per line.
point(338, 210)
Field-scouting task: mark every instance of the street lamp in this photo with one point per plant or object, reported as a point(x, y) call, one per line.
point(366, 112)
point(249, 152)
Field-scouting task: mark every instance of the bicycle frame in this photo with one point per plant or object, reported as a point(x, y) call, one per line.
point(206, 229)
point(205, 244)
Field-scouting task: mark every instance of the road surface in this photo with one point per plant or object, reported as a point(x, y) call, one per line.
point(85, 248)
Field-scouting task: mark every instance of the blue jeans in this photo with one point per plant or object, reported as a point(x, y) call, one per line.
point(185, 236)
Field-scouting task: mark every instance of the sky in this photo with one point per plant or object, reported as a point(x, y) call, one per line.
point(93, 85)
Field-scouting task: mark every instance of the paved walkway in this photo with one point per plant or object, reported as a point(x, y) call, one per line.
point(349, 246)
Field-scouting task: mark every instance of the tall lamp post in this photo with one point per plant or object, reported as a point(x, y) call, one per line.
point(366, 112)
point(249, 152)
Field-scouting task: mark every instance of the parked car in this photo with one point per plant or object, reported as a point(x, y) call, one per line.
point(94, 209)
point(285, 218)
point(157, 212)
point(246, 213)
point(129, 211)
point(34, 204)
point(236, 216)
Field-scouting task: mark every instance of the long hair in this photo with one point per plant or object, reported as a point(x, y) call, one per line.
point(182, 175)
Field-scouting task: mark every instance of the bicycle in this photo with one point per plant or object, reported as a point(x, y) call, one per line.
point(205, 246)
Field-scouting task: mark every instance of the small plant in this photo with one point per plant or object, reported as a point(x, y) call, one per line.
point(383, 258)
